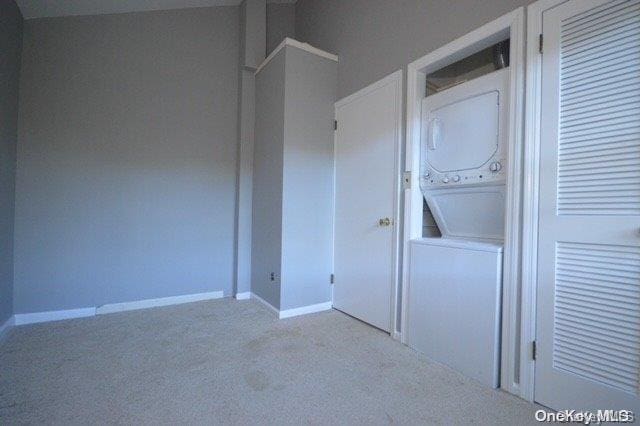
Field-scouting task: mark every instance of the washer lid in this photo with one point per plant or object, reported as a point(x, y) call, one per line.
point(478, 245)
point(469, 212)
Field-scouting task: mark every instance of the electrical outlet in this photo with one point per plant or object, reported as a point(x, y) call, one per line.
point(274, 277)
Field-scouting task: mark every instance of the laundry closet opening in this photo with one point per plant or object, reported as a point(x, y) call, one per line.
point(462, 203)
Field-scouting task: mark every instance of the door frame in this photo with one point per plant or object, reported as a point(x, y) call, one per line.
point(393, 78)
point(531, 186)
point(514, 378)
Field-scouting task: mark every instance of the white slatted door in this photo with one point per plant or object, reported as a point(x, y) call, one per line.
point(588, 313)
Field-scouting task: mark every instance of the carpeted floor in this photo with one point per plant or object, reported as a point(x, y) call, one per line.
point(232, 362)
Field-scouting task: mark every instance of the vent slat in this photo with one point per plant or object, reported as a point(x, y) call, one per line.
point(622, 368)
point(597, 367)
point(595, 284)
point(599, 144)
point(604, 338)
point(603, 19)
point(627, 360)
point(595, 104)
point(622, 77)
point(608, 161)
point(621, 110)
point(578, 368)
point(623, 128)
point(597, 312)
point(599, 96)
point(630, 312)
point(582, 20)
point(607, 293)
point(602, 65)
point(588, 321)
point(605, 35)
point(600, 150)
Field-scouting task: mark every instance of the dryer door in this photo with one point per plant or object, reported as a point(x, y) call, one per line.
point(462, 127)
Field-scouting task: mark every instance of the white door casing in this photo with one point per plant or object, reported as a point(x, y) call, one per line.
point(588, 271)
point(367, 156)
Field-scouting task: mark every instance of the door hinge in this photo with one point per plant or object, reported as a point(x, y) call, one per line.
point(332, 279)
point(406, 180)
point(540, 43)
point(533, 350)
point(335, 124)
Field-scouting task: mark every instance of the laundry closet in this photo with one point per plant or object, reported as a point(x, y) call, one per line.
point(455, 267)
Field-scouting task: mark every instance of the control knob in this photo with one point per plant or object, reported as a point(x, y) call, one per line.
point(456, 178)
point(495, 166)
point(445, 180)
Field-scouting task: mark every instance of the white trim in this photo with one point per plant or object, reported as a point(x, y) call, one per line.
point(531, 194)
point(6, 327)
point(111, 308)
point(509, 25)
point(38, 317)
point(393, 78)
point(288, 313)
point(265, 303)
point(310, 309)
point(295, 43)
point(511, 262)
point(243, 296)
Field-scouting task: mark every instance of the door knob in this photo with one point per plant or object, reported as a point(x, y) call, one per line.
point(384, 222)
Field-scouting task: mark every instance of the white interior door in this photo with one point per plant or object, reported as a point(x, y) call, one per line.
point(588, 313)
point(367, 158)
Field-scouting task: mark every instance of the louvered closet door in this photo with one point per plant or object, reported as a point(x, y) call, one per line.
point(588, 312)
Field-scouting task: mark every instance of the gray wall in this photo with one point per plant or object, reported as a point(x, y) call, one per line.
point(10, 50)
point(373, 38)
point(253, 30)
point(281, 22)
point(307, 234)
point(252, 38)
point(126, 157)
point(266, 230)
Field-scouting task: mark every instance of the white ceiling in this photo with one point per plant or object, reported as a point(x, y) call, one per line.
point(50, 8)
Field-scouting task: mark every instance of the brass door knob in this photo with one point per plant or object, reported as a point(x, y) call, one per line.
point(384, 222)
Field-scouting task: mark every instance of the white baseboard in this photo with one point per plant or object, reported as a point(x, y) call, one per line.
point(36, 317)
point(243, 296)
point(265, 303)
point(288, 313)
point(4, 328)
point(111, 308)
point(310, 309)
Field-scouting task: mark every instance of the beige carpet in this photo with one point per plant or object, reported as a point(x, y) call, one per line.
point(232, 362)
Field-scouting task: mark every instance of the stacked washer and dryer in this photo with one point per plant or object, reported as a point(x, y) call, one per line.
point(454, 294)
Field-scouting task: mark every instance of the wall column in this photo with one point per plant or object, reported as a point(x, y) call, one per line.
point(253, 23)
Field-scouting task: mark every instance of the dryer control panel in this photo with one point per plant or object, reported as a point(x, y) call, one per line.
point(492, 172)
point(463, 133)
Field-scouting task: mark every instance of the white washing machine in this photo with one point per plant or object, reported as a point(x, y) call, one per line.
point(455, 285)
point(453, 314)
